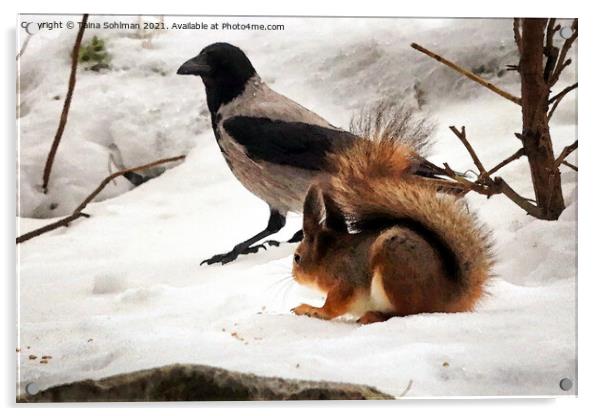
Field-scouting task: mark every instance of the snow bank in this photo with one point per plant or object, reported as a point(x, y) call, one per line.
point(123, 290)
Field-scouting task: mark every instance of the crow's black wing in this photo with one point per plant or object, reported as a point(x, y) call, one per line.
point(295, 144)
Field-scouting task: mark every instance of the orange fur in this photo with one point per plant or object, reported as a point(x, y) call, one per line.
point(371, 182)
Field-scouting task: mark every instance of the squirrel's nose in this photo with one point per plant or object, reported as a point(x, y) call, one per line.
point(297, 258)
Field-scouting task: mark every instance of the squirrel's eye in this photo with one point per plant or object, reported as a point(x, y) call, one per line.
point(297, 258)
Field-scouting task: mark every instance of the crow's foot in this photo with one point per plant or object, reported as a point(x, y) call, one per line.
point(238, 251)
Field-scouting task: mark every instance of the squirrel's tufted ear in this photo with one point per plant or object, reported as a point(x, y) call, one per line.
point(335, 219)
point(312, 209)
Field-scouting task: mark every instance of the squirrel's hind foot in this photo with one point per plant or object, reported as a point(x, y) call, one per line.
point(372, 317)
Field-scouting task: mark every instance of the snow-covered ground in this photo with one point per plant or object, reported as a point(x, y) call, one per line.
point(123, 290)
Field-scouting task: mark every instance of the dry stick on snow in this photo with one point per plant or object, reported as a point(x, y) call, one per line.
point(77, 213)
point(558, 97)
point(565, 152)
point(468, 74)
point(66, 104)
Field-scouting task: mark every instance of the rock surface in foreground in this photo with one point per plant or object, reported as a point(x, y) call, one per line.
point(199, 383)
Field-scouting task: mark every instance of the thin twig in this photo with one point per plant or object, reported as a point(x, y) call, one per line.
point(25, 43)
point(558, 97)
point(562, 93)
point(570, 165)
point(66, 104)
point(565, 152)
point(550, 51)
point(462, 136)
point(406, 390)
point(561, 63)
point(77, 212)
point(49, 227)
point(468, 74)
point(517, 155)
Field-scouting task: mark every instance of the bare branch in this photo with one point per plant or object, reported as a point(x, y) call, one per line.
point(517, 155)
point(109, 178)
point(64, 222)
point(67, 103)
point(550, 51)
point(468, 74)
point(562, 93)
point(563, 52)
point(558, 97)
point(550, 31)
point(77, 212)
point(517, 36)
point(462, 136)
point(565, 152)
point(522, 202)
point(570, 165)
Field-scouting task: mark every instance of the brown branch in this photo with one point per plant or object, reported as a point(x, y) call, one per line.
point(468, 74)
point(472, 186)
point(66, 104)
point(109, 178)
point(517, 36)
point(556, 99)
point(550, 31)
point(565, 152)
point(563, 52)
point(49, 227)
point(550, 51)
point(462, 136)
point(77, 212)
point(489, 186)
point(517, 155)
point(522, 202)
point(570, 165)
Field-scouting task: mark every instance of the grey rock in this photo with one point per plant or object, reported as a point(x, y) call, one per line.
point(181, 382)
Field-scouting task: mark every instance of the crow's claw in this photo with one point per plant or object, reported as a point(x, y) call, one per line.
point(238, 251)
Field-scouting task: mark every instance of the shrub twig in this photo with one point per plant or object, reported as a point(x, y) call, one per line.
point(78, 212)
point(66, 104)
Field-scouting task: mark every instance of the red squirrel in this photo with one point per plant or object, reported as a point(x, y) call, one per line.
point(380, 242)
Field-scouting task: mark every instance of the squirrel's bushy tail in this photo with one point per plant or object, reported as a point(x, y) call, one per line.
point(372, 185)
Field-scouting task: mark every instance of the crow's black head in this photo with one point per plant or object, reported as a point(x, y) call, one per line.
point(219, 63)
point(225, 70)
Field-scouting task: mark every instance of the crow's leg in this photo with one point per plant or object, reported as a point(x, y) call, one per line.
point(275, 224)
point(297, 237)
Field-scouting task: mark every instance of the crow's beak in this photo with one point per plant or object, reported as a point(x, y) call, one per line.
point(194, 66)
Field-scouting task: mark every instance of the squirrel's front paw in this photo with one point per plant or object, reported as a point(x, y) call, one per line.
point(311, 311)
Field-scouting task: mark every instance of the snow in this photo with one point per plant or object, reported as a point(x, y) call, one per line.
point(123, 290)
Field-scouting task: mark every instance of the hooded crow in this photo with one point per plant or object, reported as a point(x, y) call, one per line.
point(274, 146)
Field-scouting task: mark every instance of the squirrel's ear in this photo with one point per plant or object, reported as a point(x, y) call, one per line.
point(335, 219)
point(312, 208)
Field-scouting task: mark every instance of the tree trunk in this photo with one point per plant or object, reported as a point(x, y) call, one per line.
point(536, 139)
